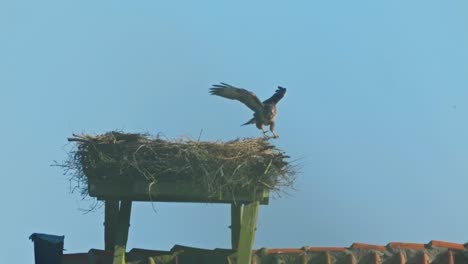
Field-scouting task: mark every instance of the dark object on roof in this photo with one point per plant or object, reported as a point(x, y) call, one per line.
point(48, 249)
point(434, 252)
point(264, 113)
point(217, 167)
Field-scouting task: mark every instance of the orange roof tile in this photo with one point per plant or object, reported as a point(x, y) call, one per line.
point(401, 258)
point(321, 249)
point(367, 246)
point(285, 251)
point(376, 258)
point(328, 259)
point(450, 257)
point(400, 245)
point(424, 259)
point(442, 244)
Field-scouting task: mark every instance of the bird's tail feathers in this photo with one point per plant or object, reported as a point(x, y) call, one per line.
point(251, 121)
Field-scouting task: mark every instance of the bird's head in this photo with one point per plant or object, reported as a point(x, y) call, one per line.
point(281, 89)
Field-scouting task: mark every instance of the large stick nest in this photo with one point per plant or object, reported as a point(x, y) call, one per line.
point(243, 164)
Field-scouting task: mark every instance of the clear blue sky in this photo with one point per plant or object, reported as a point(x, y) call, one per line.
point(376, 108)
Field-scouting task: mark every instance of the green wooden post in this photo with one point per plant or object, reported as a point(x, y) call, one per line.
point(122, 231)
point(111, 212)
point(247, 232)
point(236, 217)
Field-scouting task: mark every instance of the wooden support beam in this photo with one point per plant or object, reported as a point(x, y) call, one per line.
point(236, 217)
point(122, 231)
point(111, 212)
point(247, 232)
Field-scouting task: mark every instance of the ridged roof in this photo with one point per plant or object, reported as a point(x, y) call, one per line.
point(434, 252)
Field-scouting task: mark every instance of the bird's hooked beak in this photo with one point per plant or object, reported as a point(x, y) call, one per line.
point(281, 88)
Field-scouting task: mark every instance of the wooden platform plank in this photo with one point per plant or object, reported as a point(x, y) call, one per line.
point(167, 192)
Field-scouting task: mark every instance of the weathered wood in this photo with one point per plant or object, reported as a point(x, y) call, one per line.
point(167, 192)
point(111, 212)
point(122, 231)
point(236, 217)
point(247, 232)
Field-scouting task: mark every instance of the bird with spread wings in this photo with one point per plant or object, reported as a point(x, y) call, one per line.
point(264, 112)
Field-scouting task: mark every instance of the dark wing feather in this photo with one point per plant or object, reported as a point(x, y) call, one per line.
point(244, 96)
point(274, 99)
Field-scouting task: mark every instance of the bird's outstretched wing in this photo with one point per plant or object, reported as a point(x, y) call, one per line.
point(244, 96)
point(274, 99)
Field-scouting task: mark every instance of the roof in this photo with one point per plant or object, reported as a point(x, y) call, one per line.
point(433, 252)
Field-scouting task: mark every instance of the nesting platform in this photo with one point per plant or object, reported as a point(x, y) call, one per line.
point(119, 168)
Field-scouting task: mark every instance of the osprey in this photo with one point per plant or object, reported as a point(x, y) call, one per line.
point(264, 113)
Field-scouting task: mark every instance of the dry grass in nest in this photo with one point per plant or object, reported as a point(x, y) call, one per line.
point(243, 164)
